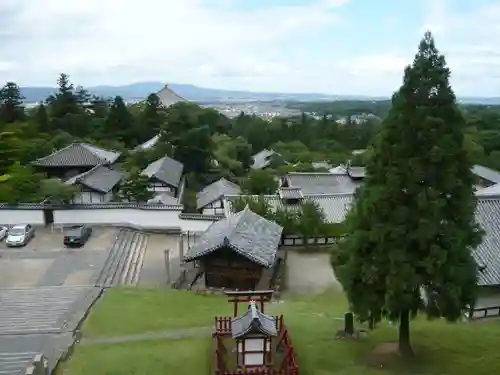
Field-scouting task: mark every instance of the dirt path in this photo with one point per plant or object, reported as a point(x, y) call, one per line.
point(170, 334)
point(310, 273)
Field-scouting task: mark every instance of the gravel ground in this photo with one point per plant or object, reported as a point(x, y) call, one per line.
point(310, 273)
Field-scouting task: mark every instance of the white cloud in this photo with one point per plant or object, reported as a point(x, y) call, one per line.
point(215, 44)
point(96, 40)
point(470, 42)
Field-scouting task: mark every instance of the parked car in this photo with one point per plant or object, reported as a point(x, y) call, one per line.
point(3, 232)
point(77, 236)
point(20, 235)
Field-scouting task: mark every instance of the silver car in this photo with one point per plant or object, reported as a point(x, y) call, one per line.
point(20, 235)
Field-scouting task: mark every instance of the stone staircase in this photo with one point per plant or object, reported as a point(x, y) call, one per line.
point(124, 260)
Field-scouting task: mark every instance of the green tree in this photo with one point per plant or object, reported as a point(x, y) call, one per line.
point(135, 189)
point(120, 123)
point(412, 226)
point(311, 220)
point(195, 150)
point(11, 104)
point(57, 191)
point(152, 118)
point(260, 182)
point(20, 184)
point(7, 152)
point(41, 118)
point(258, 205)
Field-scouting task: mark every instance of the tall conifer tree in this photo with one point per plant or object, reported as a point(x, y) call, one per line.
point(411, 230)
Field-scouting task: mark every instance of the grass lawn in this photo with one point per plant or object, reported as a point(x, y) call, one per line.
point(123, 311)
point(441, 348)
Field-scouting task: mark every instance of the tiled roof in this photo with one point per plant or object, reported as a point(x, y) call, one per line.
point(290, 193)
point(149, 143)
point(215, 191)
point(253, 321)
point(166, 170)
point(356, 172)
point(99, 178)
point(486, 173)
point(334, 206)
point(168, 97)
point(78, 155)
point(488, 252)
point(312, 183)
point(491, 190)
point(262, 159)
point(247, 233)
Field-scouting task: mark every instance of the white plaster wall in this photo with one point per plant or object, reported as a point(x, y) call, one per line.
point(11, 217)
point(195, 225)
point(86, 197)
point(129, 216)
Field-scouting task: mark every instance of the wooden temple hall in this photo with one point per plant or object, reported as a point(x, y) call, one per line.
point(238, 252)
point(253, 342)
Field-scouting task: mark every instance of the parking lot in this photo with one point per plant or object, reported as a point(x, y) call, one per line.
point(44, 261)
point(153, 272)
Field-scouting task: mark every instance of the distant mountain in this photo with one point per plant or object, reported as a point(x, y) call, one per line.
point(140, 90)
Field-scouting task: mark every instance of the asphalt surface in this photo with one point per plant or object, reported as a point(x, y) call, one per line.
point(46, 289)
point(39, 320)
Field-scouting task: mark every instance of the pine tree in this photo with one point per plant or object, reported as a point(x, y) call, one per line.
point(119, 122)
point(152, 118)
point(411, 230)
point(11, 104)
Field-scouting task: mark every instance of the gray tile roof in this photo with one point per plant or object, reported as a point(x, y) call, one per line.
point(290, 193)
point(488, 252)
point(356, 172)
point(262, 159)
point(322, 183)
point(166, 170)
point(491, 190)
point(78, 155)
point(245, 232)
point(215, 191)
point(149, 143)
point(334, 206)
point(99, 178)
point(168, 97)
point(253, 321)
point(486, 173)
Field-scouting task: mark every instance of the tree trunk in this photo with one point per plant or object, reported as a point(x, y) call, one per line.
point(404, 335)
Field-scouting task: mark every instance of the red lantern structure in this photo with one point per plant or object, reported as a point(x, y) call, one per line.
point(253, 342)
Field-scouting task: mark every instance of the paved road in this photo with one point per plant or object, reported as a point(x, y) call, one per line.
point(34, 320)
point(310, 273)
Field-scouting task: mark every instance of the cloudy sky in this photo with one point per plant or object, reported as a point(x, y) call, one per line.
point(329, 46)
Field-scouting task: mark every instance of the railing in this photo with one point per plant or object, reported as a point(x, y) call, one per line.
point(293, 240)
point(289, 365)
point(223, 325)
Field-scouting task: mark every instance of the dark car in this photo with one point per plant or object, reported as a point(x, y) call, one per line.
point(77, 236)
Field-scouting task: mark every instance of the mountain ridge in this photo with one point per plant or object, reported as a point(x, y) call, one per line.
point(140, 90)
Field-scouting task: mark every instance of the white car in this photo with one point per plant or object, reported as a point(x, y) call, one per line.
point(3, 232)
point(20, 235)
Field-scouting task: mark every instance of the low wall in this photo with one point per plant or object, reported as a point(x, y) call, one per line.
point(139, 217)
point(23, 214)
point(157, 216)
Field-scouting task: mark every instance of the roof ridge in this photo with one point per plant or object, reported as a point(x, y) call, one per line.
point(95, 146)
point(57, 151)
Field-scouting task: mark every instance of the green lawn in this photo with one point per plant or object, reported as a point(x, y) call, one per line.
point(123, 311)
point(441, 348)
